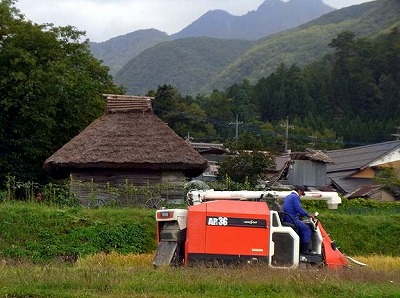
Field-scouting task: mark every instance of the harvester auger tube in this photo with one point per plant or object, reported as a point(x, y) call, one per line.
point(195, 197)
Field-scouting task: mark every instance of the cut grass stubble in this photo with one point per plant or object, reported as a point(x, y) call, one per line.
point(116, 275)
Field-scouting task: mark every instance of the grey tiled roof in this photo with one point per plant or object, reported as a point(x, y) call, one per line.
point(346, 162)
point(346, 186)
point(364, 190)
point(358, 157)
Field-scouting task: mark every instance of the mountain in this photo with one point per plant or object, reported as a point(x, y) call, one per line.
point(309, 41)
point(186, 63)
point(271, 17)
point(116, 51)
point(193, 70)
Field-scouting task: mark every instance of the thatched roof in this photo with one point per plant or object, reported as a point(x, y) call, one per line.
point(311, 154)
point(127, 138)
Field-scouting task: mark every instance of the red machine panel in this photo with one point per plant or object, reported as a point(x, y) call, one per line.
point(228, 228)
point(334, 259)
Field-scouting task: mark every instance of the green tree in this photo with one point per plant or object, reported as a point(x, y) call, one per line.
point(243, 103)
point(220, 112)
point(245, 167)
point(183, 114)
point(389, 178)
point(50, 89)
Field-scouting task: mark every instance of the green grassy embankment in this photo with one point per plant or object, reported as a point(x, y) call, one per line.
point(38, 233)
point(362, 227)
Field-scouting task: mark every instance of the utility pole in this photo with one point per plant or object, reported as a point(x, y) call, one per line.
point(237, 126)
point(313, 140)
point(397, 135)
point(189, 138)
point(287, 126)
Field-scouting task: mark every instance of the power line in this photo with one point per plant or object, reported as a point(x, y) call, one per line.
point(225, 124)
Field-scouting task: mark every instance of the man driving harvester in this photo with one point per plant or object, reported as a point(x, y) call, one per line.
point(293, 209)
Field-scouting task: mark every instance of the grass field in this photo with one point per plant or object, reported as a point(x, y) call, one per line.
point(116, 275)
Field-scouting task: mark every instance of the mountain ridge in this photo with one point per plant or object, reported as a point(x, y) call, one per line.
point(266, 20)
point(116, 51)
point(270, 17)
point(365, 19)
point(295, 46)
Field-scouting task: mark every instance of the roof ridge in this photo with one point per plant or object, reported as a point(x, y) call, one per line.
point(364, 146)
point(124, 103)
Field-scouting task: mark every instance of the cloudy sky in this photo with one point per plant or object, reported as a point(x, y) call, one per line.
point(104, 19)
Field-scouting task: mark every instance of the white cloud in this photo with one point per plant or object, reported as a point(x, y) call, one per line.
point(104, 19)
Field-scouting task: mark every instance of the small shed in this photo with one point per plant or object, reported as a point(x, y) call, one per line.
point(127, 146)
point(307, 168)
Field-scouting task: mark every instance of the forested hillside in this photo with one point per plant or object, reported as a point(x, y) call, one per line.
point(304, 44)
point(185, 63)
point(272, 16)
point(52, 87)
point(347, 98)
point(118, 50)
point(298, 46)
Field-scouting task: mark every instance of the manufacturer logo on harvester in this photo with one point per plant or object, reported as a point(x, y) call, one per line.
point(250, 222)
point(235, 222)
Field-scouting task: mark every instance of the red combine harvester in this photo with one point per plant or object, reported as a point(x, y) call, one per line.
point(239, 226)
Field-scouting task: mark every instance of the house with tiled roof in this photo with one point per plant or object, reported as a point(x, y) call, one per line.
point(375, 192)
point(214, 153)
point(354, 168)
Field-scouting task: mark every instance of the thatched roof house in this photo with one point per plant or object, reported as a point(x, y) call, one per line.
point(128, 143)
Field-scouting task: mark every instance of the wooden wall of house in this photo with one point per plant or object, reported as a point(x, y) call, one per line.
point(364, 173)
point(392, 164)
point(123, 187)
point(382, 196)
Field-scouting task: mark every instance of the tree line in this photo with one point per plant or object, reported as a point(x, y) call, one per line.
point(349, 97)
point(51, 88)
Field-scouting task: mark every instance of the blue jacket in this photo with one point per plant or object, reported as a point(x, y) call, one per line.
point(292, 206)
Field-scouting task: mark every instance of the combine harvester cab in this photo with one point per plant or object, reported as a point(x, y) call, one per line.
point(225, 228)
